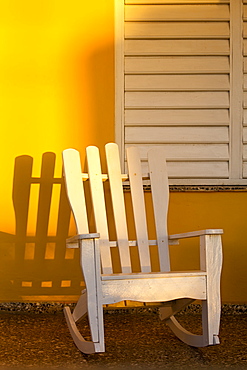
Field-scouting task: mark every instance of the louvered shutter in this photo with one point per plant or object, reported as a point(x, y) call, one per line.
point(178, 85)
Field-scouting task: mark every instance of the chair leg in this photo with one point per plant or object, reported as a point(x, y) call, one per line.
point(211, 321)
point(211, 252)
point(95, 317)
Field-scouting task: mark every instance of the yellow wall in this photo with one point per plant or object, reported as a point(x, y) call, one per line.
point(57, 91)
point(56, 82)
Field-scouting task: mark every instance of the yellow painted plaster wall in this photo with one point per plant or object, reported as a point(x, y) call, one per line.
point(57, 91)
point(56, 82)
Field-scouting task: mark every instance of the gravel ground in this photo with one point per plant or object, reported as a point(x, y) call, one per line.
point(134, 340)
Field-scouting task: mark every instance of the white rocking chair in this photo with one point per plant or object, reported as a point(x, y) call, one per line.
point(103, 286)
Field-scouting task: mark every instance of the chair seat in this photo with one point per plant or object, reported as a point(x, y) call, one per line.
point(153, 275)
point(149, 287)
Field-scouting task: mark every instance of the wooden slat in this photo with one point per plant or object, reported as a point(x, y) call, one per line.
point(245, 152)
point(151, 290)
point(153, 275)
point(177, 47)
point(245, 11)
point(245, 64)
point(75, 190)
point(245, 134)
point(98, 201)
point(197, 170)
point(176, 29)
point(188, 151)
point(245, 82)
point(244, 29)
point(177, 12)
point(177, 82)
point(178, 2)
point(244, 170)
point(177, 99)
point(160, 196)
point(245, 99)
point(177, 135)
point(245, 116)
point(160, 117)
point(115, 179)
point(135, 177)
point(245, 47)
point(177, 64)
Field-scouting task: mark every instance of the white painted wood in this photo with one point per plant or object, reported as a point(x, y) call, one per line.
point(178, 2)
point(196, 170)
point(184, 335)
point(211, 261)
point(177, 64)
point(176, 47)
point(175, 99)
point(179, 286)
point(244, 152)
point(160, 197)
point(100, 345)
point(114, 173)
point(245, 135)
point(90, 301)
point(99, 208)
point(175, 12)
point(137, 196)
point(119, 74)
point(152, 290)
point(80, 309)
point(75, 190)
point(87, 258)
point(173, 307)
point(235, 165)
point(193, 234)
point(152, 275)
point(84, 346)
point(176, 117)
point(133, 243)
point(188, 151)
point(177, 135)
point(177, 82)
point(175, 29)
point(244, 170)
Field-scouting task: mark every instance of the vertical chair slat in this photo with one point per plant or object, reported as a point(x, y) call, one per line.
point(75, 190)
point(114, 172)
point(137, 195)
point(99, 208)
point(160, 196)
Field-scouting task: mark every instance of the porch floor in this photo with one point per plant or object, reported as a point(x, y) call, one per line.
point(133, 341)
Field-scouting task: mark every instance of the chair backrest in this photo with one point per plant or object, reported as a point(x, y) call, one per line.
point(160, 198)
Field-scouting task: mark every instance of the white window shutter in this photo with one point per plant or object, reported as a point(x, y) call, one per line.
point(179, 84)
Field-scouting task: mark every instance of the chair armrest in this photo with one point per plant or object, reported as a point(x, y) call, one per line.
point(193, 234)
point(73, 242)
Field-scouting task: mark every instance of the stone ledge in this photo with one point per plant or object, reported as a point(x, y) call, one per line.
point(53, 308)
point(197, 188)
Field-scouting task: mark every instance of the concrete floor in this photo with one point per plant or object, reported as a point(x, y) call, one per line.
point(133, 341)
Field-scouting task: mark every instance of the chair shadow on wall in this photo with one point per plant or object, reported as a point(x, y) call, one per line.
point(36, 265)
